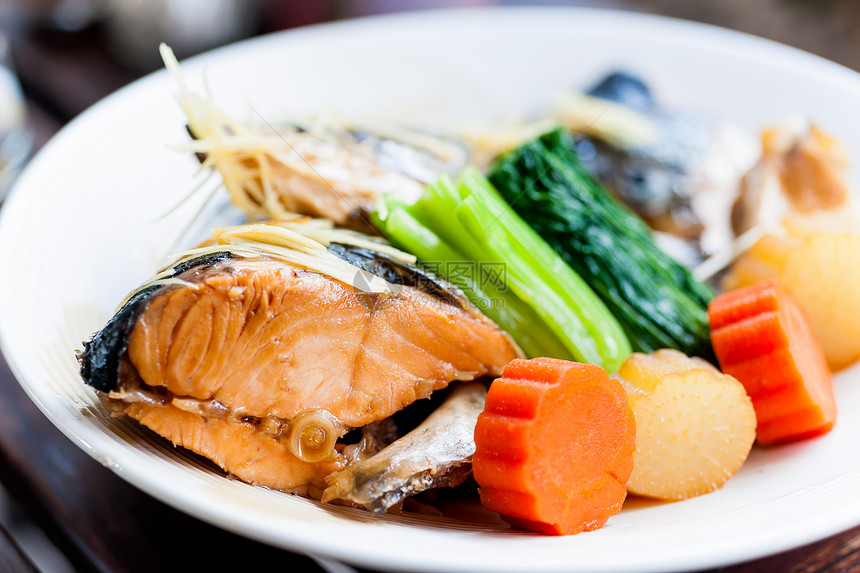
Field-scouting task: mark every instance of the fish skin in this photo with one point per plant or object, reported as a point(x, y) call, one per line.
point(435, 453)
point(625, 89)
point(399, 273)
point(100, 360)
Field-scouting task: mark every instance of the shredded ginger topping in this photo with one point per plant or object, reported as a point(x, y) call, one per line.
point(302, 242)
point(249, 155)
point(247, 176)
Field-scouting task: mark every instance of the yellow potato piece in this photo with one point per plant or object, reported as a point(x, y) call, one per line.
point(821, 271)
point(825, 277)
point(694, 426)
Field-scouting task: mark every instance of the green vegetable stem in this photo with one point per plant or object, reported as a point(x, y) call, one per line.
point(464, 226)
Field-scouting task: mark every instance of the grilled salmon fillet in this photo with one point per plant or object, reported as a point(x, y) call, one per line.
point(227, 357)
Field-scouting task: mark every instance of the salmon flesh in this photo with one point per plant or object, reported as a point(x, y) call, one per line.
point(230, 357)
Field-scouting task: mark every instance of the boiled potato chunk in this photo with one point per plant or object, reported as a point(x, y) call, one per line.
point(821, 271)
point(694, 426)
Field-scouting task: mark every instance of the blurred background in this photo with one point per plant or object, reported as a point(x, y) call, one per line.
point(70, 53)
point(58, 57)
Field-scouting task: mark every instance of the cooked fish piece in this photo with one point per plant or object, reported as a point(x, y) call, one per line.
point(679, 170)
point(322, 167)
point(801, 175)
point(436, 453)
point(421, 156)
point(260, 363)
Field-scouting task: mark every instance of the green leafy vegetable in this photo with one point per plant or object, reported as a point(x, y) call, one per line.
point(466, 232)
point(657, 300)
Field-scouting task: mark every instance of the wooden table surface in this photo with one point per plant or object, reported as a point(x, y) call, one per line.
point(100, 522)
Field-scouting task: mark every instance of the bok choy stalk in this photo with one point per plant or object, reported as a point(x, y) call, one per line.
point(461, 229)
point(658, 302)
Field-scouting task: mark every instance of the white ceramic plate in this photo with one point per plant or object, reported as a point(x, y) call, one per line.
point(84, 226)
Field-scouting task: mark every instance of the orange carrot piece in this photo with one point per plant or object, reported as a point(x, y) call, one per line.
point(555, 446)
point(762, 338)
